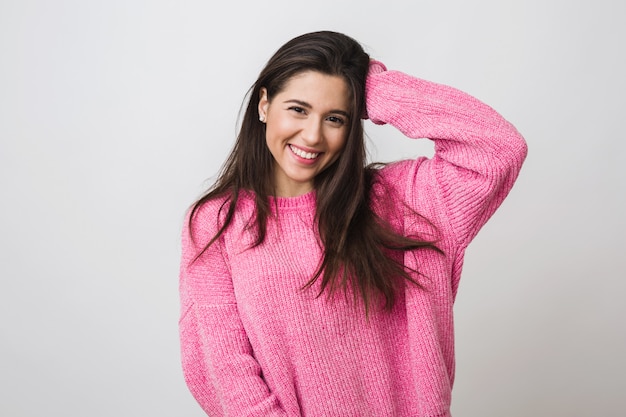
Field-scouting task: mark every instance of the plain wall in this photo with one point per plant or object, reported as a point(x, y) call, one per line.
point(114, 116)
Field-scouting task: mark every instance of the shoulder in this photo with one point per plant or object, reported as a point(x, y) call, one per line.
point(391, 184)
point(205, 218)
point(206, 212)
point(406, 189)
point(398, 175)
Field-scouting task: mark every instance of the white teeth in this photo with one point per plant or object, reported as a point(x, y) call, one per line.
point(302, 154)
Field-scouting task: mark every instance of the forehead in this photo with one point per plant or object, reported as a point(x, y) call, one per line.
point(317, 89)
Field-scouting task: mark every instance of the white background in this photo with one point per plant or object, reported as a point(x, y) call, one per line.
point(115, 114)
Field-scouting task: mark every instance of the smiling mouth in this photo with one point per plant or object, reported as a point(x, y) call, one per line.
point(303, 154)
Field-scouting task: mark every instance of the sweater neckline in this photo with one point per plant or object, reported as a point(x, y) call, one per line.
point(304, 200)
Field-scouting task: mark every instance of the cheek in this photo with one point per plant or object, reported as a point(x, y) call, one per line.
point(338, 141)
point(335, 147)
point(271, 142)
point(280, 126)
point(274, 133)
point(273, 139)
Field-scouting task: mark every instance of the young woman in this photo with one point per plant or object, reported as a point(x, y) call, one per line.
point(314, 285)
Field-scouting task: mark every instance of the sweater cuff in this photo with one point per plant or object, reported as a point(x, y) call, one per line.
point(375, 68)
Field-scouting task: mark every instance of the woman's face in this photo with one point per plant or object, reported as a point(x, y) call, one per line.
point(307, 125)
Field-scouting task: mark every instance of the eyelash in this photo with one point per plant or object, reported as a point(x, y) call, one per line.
point(338, 120)
point(297, 109)
point(332, 119)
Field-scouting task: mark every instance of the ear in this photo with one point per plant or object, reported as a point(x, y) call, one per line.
point(263, 103)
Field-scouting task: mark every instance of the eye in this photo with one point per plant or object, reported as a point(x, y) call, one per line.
point(297, 109)
point(336, 120)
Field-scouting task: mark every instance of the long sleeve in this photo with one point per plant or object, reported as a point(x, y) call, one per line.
point(217, 358)
point(478, 154)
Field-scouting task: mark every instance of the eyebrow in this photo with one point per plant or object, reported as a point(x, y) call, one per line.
point(308, 106)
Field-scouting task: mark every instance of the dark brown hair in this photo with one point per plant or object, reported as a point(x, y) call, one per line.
point(361, 250)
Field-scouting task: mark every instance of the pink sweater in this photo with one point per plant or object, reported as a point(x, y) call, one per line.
point(255, 344)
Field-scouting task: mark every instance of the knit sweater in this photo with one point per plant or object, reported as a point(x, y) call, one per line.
point(255, 343)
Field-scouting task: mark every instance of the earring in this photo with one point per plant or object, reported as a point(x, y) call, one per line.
point(262, 118)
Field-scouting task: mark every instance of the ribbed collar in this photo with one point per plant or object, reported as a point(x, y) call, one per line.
point(302, 201)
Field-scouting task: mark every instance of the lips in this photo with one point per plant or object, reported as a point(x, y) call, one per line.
point(303, 154)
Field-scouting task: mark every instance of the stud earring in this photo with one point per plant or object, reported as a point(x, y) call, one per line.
point(262, 118)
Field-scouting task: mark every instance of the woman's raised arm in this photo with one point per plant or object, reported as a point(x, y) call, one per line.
point(478, 154)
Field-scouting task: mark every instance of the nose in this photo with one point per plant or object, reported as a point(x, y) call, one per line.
point(312, 131)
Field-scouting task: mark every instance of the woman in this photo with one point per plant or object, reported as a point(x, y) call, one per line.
point(314, 285)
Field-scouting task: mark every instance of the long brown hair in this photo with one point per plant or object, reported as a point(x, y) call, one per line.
point(361, 250)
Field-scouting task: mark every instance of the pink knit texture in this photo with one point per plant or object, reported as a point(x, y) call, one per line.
point(255, 344)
